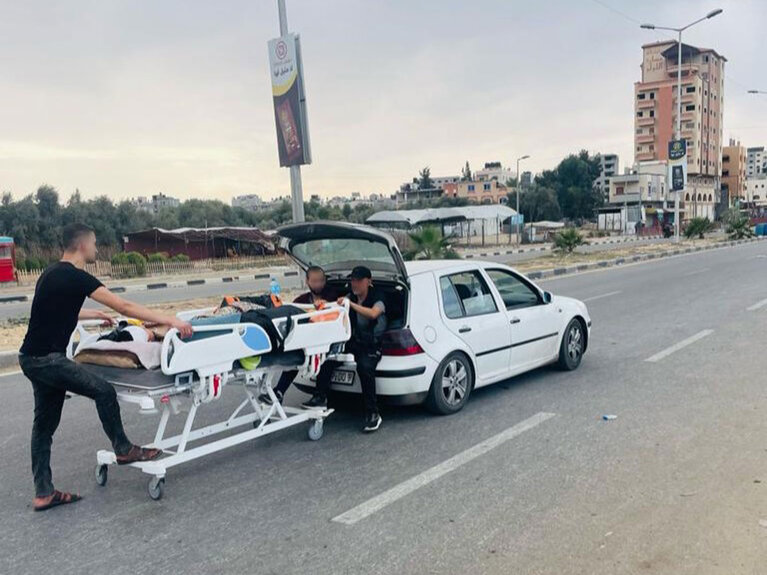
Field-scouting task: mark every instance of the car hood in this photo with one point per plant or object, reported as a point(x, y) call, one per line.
point(339, 246)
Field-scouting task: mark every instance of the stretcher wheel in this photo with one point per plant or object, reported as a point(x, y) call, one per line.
point(316, 429)
point(155, 487)
point(102, 474)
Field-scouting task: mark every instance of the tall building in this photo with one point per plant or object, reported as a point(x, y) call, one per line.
point(733, 172)
point(609, 167)
point(702, 112)
point(757, 161)
point(495, 171)
point(252, 202)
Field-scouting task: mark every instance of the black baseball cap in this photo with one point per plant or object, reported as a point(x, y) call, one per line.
point(360, 272)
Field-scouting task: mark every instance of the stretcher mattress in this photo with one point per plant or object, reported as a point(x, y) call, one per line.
point(155, 379)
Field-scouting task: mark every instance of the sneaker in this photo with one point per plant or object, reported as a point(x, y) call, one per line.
point(266, 399)
point(316, 401)
point(372, 422)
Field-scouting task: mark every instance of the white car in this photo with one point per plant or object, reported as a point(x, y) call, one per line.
point(453, 325)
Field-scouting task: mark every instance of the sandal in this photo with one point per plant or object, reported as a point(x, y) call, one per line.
point(137, 454)
point(59, 498)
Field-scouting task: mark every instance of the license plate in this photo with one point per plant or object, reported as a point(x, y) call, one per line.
point(343, 377)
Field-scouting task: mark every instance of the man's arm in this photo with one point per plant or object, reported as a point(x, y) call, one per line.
point(131, 309)
point(95, 314)
point(370, 313)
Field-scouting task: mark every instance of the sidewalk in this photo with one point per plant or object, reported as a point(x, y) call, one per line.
point(497, 250)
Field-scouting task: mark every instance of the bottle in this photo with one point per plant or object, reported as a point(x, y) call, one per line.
point(274, 287)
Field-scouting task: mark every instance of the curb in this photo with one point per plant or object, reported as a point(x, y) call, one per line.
point(548, 247)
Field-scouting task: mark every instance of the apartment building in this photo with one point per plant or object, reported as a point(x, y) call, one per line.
point(733, 172)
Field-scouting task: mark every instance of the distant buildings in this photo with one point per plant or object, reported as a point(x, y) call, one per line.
point(756, 161)
point(495, 171)
point(733, 173)
point(251, 202)
point(479, 191)
point(756, 189)
point(156, 203)
point(486, 186)
point(609, 166)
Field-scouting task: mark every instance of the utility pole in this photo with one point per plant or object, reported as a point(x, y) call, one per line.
point(296, 189)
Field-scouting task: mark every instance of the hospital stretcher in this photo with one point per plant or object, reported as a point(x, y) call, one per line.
point(195, 373)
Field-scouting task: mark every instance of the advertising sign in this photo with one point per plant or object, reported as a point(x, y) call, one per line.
point(677, 164)
point(289, 101)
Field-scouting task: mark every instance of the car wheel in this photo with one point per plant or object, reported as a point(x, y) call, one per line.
point(572, 346)
point(451, 385)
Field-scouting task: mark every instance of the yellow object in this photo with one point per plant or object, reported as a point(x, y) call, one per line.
point(250, 363)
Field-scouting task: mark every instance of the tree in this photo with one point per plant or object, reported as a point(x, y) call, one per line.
point(429, 244)
point(346, 211)
point(697, 227)
point(425, 182)
point(466, 172)
point(573, 182)
point(538, 203)
point(738, 225)
point(567, 240)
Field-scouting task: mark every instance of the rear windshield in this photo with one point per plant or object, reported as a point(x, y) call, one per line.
point(337, 254)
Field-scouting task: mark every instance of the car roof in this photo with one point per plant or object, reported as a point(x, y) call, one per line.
point(427, 266)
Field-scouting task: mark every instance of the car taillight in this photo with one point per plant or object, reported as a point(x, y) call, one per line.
point(400, 342)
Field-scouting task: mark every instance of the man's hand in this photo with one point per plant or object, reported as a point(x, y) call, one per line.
point(184, 327)
point(340, 300)
point(87, 314)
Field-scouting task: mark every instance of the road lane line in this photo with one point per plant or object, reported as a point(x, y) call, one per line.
point(601, 296)
point(696, 272)
point(17, 372)
point(432, 474)
point(757, 305)
point(681, 345)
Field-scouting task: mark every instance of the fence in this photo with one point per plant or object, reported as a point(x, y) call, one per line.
point(107, 270)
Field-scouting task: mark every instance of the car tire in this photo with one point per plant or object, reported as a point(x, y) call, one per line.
point(451, 385)
point(572, 346)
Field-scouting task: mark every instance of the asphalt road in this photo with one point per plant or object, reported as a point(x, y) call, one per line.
point(677, 484)
point(157, 296)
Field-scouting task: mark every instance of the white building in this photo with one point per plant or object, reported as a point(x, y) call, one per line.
point(250, 202)
point(756, 189)
point(609, 167)
point(158, 202)
point(756, 161)
point(494, 171)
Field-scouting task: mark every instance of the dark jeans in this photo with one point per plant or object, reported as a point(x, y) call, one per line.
point(52, 376)
point(366, 361)
point(286, 379)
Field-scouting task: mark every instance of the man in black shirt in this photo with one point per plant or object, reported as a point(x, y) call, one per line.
point(368, 317)
point(319, 293)
point(57, 306)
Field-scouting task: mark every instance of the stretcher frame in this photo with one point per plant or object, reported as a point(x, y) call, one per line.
point(204, 384)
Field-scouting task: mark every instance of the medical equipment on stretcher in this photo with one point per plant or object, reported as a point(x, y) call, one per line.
point(194, 373)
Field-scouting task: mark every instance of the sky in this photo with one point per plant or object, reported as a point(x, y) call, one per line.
point(132, 98)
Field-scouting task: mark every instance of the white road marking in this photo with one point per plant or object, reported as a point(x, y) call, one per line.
point(601, 296)
point(757, 305)
point(407, 487)
point(17, 372)
point(681, 345)
point(696, 272)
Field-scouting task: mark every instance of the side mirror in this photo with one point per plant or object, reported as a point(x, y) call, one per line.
point(546, 297)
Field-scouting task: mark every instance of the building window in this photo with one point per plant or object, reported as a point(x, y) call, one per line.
point(486, 187)
point(641, 96)
point(690, 89)
point(471, 187)
point(689, 108)
point(652, 113)
point(639, 114)
point(652, 95)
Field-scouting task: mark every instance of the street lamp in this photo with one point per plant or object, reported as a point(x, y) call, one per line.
point(679, 95)
point(519, 189)
point(757, 91)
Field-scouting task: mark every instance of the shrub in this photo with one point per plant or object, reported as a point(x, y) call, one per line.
point(697, 227)
point(567, 240)
point(158, 257)
point(180, 258)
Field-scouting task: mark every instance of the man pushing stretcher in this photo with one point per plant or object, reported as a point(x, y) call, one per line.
point(56, 308)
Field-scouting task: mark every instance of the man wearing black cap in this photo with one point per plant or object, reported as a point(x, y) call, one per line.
point(368, 317)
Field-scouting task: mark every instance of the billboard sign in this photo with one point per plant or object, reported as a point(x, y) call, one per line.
point(677, 165)
point(289, 100)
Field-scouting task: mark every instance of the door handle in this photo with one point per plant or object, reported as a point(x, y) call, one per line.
point(515, 320)
point(464, 329)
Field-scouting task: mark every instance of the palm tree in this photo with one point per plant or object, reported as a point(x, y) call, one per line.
point(567, 240)
point(429, 244)
point(698, 227)
point(738, 225)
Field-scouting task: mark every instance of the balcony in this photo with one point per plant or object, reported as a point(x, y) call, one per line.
point(646, 103)
point(645, 121)
point(687, 69)
point(645, 138)
point(644, 156)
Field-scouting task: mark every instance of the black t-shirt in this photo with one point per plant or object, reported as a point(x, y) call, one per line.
point(328, 294)
point(59, 296)
point(367, 333)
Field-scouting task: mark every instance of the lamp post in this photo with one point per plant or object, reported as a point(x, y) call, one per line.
point(679, 95)
point(757, 91)
point(519, 189)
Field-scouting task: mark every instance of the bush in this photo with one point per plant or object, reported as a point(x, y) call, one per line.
point(567, 240)
point(134, 259)
point(120, 259)
point(180, 258)
point(158, 257)
point(31, 264)
point(139, 261)
point(698, 227)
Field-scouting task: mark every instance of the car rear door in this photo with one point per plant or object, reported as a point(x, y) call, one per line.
point(534, 324)
point(471, 312)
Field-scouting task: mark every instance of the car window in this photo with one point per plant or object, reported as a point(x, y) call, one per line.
point(466, 294)
point(342, 253)
point(515, 293)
